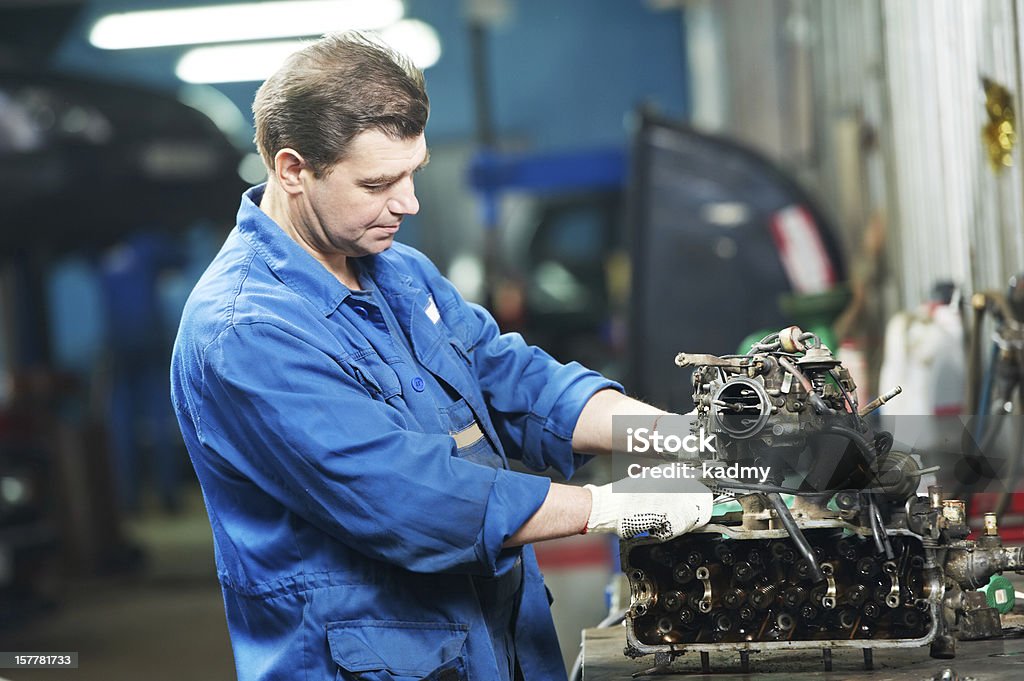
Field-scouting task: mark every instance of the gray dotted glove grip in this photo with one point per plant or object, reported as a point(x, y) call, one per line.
point(662, 514)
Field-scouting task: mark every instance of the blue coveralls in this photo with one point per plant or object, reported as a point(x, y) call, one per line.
point(354, 539)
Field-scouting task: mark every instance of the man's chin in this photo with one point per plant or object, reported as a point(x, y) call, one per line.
point(378, 245)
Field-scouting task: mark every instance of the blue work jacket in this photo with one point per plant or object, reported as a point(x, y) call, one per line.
point(349, 527)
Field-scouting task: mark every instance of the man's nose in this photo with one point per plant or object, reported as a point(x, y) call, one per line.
point(404, 201)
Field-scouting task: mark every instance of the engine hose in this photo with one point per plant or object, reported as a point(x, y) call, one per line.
point(874, 531)
point(802, 545)
point(878, 531)
point(883, 442)
point(812, 395)
point(851, 400)
point(797, 374)
point(866, 447)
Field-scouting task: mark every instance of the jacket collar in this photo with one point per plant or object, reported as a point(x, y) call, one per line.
point(288, 261)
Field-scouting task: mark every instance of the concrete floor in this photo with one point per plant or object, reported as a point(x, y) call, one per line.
point(163, 624)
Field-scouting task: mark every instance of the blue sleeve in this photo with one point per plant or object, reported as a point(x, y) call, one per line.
point(288, 417)
point(534, 401)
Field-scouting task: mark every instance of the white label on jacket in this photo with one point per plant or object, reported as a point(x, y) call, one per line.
point(432, 311)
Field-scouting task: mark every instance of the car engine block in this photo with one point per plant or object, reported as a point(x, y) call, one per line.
point(834, 549)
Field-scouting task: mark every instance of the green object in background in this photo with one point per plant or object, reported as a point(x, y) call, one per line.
point(999, 594)
point(814, 312)
point(723, 507)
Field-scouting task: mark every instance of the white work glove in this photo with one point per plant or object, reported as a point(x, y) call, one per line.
point(664, 515)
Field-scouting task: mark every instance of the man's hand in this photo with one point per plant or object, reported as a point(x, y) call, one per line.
point(662, 514)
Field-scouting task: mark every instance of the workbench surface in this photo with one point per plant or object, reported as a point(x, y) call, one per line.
point(1001, 660)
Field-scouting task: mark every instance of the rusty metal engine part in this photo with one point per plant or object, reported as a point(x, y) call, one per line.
point(856, 559)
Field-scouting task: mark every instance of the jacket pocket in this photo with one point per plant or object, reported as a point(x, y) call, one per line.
point(379, 379)
point(381, 650)
point(466, 355)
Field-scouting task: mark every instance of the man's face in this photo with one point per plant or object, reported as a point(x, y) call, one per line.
point(357, 208)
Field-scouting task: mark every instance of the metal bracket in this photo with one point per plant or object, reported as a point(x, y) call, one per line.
point(893, 599)
point(704, 575)
point(828, 601)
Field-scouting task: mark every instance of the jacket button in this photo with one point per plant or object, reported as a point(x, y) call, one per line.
point(361, 311)
point(417, 384)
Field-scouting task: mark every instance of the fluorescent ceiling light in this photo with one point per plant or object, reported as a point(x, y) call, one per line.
point(246, 21)
point(415, 39)
point(234, 63)
point(257, 61)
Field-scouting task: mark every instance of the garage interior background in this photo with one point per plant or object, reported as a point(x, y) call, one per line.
point(879, 108)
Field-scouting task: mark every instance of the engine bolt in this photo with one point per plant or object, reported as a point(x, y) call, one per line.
point(847, 618)
point(795, 596)
point(673, 600)
point(762, 596)
point(733, 598)
point(857, 594)
point(867, 567)
point(743, 571)
point(682, 573)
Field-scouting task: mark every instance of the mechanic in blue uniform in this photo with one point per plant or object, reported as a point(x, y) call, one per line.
point(351, 417)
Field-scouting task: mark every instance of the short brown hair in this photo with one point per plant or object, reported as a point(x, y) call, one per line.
point(332, 90)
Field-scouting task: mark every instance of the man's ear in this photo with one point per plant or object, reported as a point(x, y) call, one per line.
point(288, 167)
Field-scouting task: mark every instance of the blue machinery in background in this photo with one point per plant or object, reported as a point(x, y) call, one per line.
point(557, 260)
point(492, 173)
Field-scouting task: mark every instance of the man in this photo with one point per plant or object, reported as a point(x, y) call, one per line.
point(350, 416)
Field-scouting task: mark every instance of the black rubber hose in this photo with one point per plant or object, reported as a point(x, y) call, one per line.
point(802, 545)
point(866, 447)
point(873, 519)
point(878, 531)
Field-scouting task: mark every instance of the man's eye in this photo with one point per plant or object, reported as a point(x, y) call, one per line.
point(374, 188)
